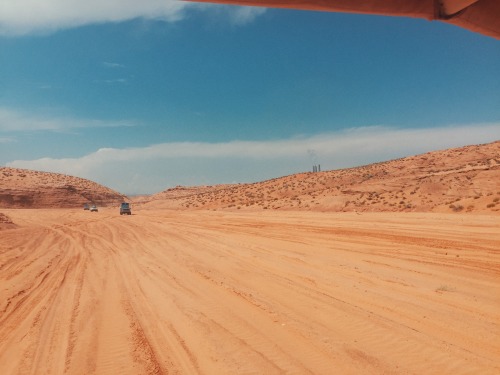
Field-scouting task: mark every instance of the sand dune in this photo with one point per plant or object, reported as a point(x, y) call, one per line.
point(269, 292)
point(465, 179)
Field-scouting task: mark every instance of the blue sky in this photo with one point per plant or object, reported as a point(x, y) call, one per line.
point(142, 97)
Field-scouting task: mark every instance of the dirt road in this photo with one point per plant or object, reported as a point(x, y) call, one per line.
point(164, 292)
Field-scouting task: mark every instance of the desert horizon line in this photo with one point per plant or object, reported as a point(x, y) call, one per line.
point(315, 168)
point(145, 170)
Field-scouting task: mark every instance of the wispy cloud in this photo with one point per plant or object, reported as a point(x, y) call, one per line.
point(235, 15)
point(154, 168)
point(6, 139)
point(17, 121)
point(112, 65)
point(18, 17)
point(245, 15)
point(117, 80)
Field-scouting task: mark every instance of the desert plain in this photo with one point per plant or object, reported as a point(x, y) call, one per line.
point(338, 287)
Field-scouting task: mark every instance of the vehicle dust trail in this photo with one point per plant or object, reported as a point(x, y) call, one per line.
point(170, 292)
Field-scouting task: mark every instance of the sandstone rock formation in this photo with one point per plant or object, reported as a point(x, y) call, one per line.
point(22, 188)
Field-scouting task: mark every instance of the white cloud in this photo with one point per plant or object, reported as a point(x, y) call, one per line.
point(18, 17)
point(236, 15)
point(24, 16)
point(157, 167)
point(17, 121)
point(245, 15)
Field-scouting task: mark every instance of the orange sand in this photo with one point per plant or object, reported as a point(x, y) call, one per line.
point(268, 292)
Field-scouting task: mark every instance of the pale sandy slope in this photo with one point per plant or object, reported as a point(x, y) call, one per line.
point(164, 292)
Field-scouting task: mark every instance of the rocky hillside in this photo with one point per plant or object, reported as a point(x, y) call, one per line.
point(22, 188)
point(465, 179)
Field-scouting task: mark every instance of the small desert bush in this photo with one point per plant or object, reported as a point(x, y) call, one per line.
point(456, 208)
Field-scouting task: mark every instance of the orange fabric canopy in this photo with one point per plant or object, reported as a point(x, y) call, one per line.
point(482, 16)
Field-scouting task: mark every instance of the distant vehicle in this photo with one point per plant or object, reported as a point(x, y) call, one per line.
point(86, 206)
point(93, 208)
point(125, 209)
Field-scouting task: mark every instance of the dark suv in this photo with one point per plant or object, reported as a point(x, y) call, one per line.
point(125, 209)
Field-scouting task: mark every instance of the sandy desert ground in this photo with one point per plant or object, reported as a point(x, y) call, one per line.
point(269, 292)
